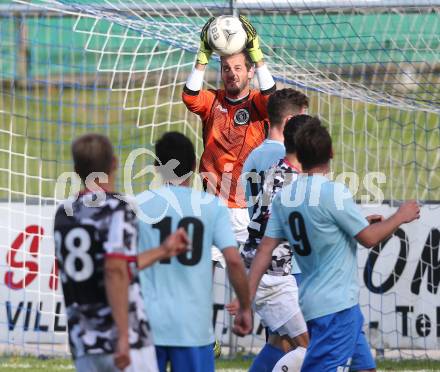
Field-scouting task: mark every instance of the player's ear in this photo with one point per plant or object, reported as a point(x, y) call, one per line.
point(288, 117)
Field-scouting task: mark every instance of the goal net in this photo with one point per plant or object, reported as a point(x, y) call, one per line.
point(372, 72)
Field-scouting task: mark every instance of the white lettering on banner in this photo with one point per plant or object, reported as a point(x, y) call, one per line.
point(399, 282)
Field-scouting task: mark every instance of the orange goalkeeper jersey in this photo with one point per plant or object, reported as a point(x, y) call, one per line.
point(231, 130)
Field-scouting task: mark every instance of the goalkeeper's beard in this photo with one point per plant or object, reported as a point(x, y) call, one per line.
point(236, 90)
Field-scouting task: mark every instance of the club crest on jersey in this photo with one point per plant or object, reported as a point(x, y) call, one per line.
point(241, 116)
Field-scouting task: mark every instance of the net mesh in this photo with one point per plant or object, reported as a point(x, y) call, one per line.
point(371, 70)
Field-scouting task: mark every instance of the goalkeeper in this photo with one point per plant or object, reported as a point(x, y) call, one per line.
point(234, 120)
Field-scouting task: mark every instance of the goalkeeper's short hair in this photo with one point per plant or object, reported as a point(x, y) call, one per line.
point(247, 59)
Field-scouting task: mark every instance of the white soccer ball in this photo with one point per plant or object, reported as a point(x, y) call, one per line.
point(226, 35)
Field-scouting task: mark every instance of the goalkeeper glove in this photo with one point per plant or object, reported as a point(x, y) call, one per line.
point(205, 51)
point(253, 41)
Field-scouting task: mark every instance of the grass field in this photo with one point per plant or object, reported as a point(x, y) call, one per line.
point(14, 363)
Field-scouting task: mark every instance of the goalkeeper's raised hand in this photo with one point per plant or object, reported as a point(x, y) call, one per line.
point(205, 51)
point(253, 41)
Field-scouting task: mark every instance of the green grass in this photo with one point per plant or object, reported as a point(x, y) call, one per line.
point(414, 365)
point(17, 363)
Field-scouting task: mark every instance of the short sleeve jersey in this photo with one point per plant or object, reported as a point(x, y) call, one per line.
point(84, 239)
point(178, 291)
point(231, 130)
point(257, 163)
point(320, 219)
point(283, 262)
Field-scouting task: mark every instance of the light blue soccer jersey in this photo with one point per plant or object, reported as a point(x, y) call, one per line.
point(320, 219)
point(260, 160)
point(178, 291)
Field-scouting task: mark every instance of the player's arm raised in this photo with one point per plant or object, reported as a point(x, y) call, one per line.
point(173, 245)
point(265, 79)
point(377, 232)
point(195, 99)
point(204, 53)
point(253, 42)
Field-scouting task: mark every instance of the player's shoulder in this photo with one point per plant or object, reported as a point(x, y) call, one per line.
point(92, 207)
point(256, 152)
point(99, 200)
point(181, 199)
point(257, 93)
point(116, 202)
point(191, 93)
point(332, 194)
point(330, 188)
point(207, 205)
point(153, 197)
point(261, 97)
point(211, 200)
point(282, 165)
point(191, 98)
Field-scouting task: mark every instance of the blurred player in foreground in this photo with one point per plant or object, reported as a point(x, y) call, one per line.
point(234, 121)
point(323, 224)
point(95, 241)
point(178, 291)
point(276, 300)
point(282, 105)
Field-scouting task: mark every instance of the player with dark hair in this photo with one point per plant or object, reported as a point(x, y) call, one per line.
point(95, 243)
point(276, 301)
point(174, 147)
point(282, 105)
point(234, 120)
point(178, 292)
point(323, 224)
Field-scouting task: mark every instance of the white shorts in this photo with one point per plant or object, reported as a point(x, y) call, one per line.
point(217, 257)
point(239, 218)
point(276, 302)
point(141, 360)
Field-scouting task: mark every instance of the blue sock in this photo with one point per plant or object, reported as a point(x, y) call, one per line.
point(266, 359)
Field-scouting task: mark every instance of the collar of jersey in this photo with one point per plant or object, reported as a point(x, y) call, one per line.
point(274, 141)
point(87, 191)
point(291, 165)
point(238, 101)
